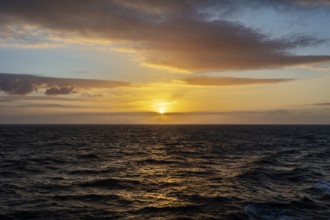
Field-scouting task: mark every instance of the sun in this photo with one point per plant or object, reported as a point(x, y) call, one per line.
point(161, 107)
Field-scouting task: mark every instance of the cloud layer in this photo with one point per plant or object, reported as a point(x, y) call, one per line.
point(229, 81)
point(19, 84)
point(177, 34)
point(322, 104)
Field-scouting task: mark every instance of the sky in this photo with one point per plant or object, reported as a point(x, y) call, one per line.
point(164, 62)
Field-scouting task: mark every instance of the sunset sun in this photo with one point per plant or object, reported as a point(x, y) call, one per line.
point(162, 106)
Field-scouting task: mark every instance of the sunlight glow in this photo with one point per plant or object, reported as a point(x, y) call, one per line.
point(161, 106)
point(165, 67)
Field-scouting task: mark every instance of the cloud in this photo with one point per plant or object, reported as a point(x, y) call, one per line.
point(311, 2)
point(175, 34)
point(317, 67)
point(31, 116)
point(278, 112)
point(91, 95)
point(51, 106)
point(26, 36)
point(15, 98)
point(56, 90)
point(322, 104)
point(229, 81)
point(209, 113)
point(19, 84)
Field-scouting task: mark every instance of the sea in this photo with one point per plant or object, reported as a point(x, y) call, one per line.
point(252, 172)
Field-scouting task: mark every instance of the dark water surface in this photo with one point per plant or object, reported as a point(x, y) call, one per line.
point(164, 172)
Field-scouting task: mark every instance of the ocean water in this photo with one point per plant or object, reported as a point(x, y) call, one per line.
point(164, 172)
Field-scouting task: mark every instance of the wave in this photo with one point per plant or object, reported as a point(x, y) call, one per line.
point(272, 175)
point(89, 156)
point(182, 208)
point(156, 162)
point(165, 172)
point(323, 185)
point(268, 212)
point(111, 183)
point(92, 198)
point(199, 199)
point(89, 171)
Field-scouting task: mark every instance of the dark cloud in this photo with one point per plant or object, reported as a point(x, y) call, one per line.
point(16, 84)
point(171, 33)
point(229, 81)
point(16, 98)
point(200, 113)
point(19, 84)
point(55, 90)
point(33, 106)
point(325, 103)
